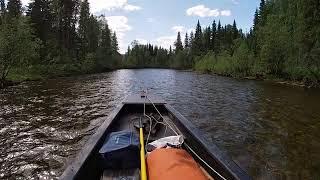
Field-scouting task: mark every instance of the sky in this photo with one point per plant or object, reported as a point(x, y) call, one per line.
point(158, 21)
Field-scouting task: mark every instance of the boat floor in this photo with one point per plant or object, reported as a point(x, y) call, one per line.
point(124, 174)
point(127, 121)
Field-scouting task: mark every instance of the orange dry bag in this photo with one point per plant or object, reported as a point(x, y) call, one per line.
point(173, 164)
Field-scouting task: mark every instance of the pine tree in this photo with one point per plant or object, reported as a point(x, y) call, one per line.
point(66, 19)
point(2, 7)
point(197, 47)
point(41, 21)
point(235, 32)
point(41, 18)
point(219, 36)
point(178, 43)
point(14, 8)
point(186, 41)
point(191, 39)
point(106, 40)
point(256, 20)
point(262, 12)
point(206, 39)
point(262, 6)
point(105, 49)
point(213, 35)
point(115, 44)
point(84, 27)
point(2, 11)
point(93, 34)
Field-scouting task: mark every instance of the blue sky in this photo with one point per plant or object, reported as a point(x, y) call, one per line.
point(157, 21)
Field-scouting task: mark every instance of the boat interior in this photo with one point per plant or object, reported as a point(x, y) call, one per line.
point(129, 120)
point(166, 122)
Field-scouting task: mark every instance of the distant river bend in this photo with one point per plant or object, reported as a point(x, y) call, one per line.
point(271, 130)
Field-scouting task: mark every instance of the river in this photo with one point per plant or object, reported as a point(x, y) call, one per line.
point(270, 130)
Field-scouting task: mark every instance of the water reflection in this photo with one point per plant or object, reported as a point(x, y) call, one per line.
point(270, 130)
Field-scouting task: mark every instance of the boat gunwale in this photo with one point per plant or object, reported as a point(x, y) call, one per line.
point(75, 167)
point(222, 158)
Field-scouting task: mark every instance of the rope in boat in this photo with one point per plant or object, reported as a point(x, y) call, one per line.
point(211, 168)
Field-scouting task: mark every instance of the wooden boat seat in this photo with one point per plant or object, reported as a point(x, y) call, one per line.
point(121, 174)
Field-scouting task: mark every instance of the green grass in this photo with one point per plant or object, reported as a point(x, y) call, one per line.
point(39, 72)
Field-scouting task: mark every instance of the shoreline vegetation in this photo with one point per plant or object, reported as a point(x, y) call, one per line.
point(282, 46)
point(16, 79)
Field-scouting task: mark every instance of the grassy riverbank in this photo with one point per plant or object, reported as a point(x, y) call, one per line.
point(42, 72)
point(244, 65)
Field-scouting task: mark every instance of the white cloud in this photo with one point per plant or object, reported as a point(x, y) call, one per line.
point(142, 41)
point(165, 41)
point(225, 13)
point(121, 26)
point(202, 11)
point(190, 30)
point(178, 29)
point(129, 7)
point(25, 2)
point(110, 5)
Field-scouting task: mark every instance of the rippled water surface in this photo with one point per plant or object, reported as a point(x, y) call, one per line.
point(272, 131)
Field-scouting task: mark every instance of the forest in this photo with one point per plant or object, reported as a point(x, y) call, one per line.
point(59, 38)
point(53, 38)
point(284, 43)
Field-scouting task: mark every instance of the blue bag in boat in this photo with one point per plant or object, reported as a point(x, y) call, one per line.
point(121, 150)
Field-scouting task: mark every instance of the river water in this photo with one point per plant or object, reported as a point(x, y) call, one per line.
point(270, 130)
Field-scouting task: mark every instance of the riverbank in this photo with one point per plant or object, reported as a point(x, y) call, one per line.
point(42, 73)
point(294, 83)
point(16, 77)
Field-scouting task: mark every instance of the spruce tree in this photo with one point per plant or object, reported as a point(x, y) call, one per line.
point(41, 18)
point(191, 39)
point(256, 20)
point(83, 30)
point(93, 34)
point(197, 47)
point(262, 12)
point(207, 38)
point(178, 43)
point(14, 8)
point(186, 41)
point(2, 11)
point(235, 32)
point(219, 36)
point(115, 44)
point(2, 7)
point(106, 39)
point(213, 35)
point(105, 49)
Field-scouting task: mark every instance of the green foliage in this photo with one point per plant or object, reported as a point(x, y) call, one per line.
point(18, 47)
point(181, 60)
point(146, 56)
point(54, 38)
point(197, 43)
point(178, 43)
point(114, 43)
point(84, 23)
point(14, 8)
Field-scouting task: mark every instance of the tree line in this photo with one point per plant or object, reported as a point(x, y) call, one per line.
point(284, 42)
point(52, 38)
